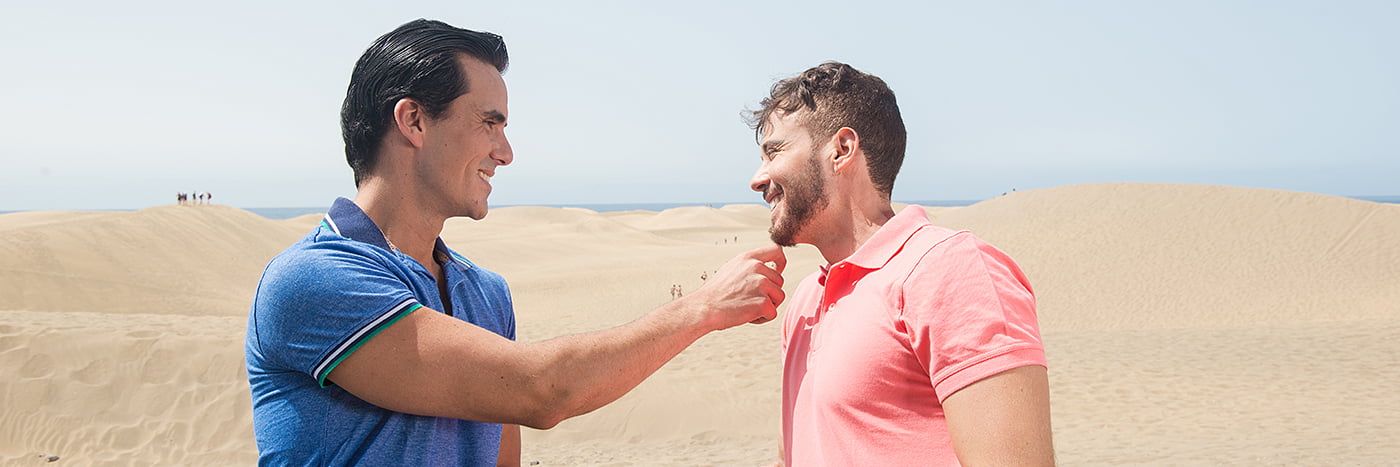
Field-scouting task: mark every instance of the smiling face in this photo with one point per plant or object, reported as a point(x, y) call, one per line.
point(791, 179)
point(463, 147)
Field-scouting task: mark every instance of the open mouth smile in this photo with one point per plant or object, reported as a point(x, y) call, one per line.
point(772, 197)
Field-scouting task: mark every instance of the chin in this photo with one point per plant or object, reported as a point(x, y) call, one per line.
point(783, 235)
point(475, 211)
point(785, 243)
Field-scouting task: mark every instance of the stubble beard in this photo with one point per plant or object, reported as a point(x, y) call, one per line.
point(802, 199)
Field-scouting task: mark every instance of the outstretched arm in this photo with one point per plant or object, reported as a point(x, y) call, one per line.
point(1003, 420)
point(432, 364)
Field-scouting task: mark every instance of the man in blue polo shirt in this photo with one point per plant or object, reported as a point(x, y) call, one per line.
point(371, 342)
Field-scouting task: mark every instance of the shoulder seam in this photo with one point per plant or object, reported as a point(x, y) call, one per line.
point(904, 280)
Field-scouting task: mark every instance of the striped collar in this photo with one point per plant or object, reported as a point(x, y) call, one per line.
point(346, 219)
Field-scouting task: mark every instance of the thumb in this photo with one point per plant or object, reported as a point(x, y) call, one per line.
point(771, 254)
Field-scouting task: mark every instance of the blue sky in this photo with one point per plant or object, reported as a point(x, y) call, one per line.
point(119, 105)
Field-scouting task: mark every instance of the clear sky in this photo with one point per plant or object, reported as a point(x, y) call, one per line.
point(119, 105)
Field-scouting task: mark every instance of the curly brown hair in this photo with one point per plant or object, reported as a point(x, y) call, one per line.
point(835, 95)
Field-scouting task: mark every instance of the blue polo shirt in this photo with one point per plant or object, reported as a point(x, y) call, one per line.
point(317, 303)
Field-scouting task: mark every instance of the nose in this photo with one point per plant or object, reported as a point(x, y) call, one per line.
point(760, 180)
point(502, 152)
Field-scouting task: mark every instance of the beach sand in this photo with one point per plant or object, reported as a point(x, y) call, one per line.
point(1184, 325)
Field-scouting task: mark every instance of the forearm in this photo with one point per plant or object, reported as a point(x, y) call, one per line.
point(434, 365)
point(580, 373)
point(431, 364)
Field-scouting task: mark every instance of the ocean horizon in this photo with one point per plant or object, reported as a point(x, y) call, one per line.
point(281, 213)
point(290, 212)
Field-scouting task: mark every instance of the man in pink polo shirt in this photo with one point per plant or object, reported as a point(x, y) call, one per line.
point(915, 344)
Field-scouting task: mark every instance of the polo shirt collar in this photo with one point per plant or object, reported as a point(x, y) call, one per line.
point(346, 219)
point(889, 239)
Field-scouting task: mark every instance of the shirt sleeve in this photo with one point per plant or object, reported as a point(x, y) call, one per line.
point(510, 315)
point(318, 306)
point(970, 313)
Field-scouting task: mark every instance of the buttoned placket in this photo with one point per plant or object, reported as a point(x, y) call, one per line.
point(834, 287)
point(453, 278)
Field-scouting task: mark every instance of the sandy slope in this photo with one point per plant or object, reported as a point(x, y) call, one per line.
point(1184, 324)
point(171, 259)
point(1132, 256)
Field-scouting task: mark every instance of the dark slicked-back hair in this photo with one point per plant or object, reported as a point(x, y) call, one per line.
point(418, 61)
point(833, 95)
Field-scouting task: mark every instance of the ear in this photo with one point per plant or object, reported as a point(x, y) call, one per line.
point(847, 144)
point(410, 119)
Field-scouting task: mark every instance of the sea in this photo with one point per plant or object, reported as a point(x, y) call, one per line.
point(279, 213)
point(288, 213)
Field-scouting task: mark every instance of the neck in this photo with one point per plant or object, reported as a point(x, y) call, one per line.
point(406, 222)
point(852, 224)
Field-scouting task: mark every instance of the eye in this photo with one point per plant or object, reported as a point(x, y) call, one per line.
point(770, 154)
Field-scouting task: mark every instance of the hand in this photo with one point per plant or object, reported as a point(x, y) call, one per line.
point(745, 290)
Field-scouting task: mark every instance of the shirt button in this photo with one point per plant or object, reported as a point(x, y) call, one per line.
point(829, 307)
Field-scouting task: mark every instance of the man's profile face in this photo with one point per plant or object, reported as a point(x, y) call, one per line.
point(463, 147)
point(790, 178)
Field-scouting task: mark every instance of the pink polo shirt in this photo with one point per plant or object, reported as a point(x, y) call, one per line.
point(873, 344)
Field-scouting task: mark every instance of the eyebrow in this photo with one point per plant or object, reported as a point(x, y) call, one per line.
point(494, 114)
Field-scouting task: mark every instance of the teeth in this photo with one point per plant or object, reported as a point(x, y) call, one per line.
point(483, 176)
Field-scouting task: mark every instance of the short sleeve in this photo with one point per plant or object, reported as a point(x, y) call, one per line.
point(316, 306)
point(497, 291)
point(970, 313)
point(510, 316)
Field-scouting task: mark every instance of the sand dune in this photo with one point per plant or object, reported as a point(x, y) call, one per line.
point(535, 215)
point(123, 388)
point(305, 222)
point(692, 217)
point(173, 259)
point(1185, 324)
point(1134, 256)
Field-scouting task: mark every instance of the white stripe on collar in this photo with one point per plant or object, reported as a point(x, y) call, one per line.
point(331, 223)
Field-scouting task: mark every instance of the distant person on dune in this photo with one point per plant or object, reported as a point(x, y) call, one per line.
point(371, 342)
point(930, 353)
